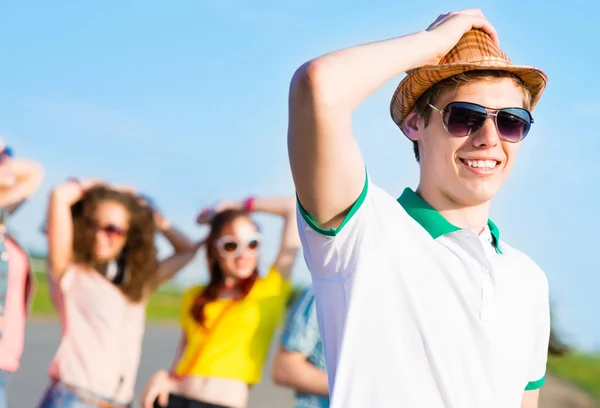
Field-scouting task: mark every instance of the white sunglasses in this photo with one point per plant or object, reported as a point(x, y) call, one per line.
point(230, 247)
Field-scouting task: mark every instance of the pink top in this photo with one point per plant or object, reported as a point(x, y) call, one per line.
point(102, 333)
point(15, 311)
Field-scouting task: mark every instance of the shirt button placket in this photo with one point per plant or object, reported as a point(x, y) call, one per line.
point(488, 293)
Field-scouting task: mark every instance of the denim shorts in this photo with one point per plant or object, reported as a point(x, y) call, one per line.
point(5, 377)
point(59, 395)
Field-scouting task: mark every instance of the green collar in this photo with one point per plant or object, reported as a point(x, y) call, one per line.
point(433, 222)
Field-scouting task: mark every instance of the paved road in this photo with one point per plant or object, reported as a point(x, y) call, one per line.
point(42, 339)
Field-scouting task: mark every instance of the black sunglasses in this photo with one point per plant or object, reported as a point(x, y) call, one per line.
point(464, 118)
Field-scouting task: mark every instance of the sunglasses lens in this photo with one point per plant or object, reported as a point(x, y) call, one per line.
point(462, 119)
point(513, 124)
point(254, 244)
point(230, 246)
point(112, 230)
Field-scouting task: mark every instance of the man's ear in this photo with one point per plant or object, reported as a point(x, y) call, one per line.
point(412, 125)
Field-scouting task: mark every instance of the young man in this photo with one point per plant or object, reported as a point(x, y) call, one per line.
point(419, 302)
point(300, 362)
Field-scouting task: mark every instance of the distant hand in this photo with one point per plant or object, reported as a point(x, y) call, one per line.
point(87, 183)
point(199, 244)
point(448, 29)
point(161, 222)
point(74, 189)
point(159, 386)
point(207, 213)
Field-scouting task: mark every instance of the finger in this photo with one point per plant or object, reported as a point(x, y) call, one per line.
point(148, 399)
point(89, 183)
point(479, 22)
point(163, 398)
point(483, 24)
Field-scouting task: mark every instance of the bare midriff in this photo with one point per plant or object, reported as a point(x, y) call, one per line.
point(220, 391)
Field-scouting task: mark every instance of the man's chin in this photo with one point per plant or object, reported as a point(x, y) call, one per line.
point(479, 196)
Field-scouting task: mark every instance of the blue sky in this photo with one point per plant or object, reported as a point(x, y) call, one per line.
point(187, 100)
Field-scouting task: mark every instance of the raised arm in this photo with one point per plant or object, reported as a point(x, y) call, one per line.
point(326, 162)
point(59, 224)
point(284, 207)
point(27, 176)
point(289, 244)
point(184, 249)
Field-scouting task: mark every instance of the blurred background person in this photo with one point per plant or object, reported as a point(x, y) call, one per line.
point(228, 325)
point(102, 267)
point(19, 180)
point(300, 361)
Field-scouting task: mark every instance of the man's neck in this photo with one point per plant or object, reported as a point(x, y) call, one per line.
point(474, 217)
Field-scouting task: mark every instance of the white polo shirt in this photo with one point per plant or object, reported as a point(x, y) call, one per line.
point(416, 312)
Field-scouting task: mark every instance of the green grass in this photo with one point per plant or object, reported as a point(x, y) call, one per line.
point(581, 370)
point(163, 306)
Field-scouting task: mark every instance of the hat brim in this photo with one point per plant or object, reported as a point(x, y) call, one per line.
point(421, 79)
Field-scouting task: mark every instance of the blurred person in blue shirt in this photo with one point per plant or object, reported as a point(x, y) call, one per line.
point(300, 362)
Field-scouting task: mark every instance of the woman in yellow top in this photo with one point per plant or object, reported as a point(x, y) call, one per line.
point(228, 324)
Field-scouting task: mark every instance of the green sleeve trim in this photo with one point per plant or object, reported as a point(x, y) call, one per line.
point(332, 232)
point(535, 385)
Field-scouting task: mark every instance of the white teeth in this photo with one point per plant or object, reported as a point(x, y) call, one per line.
point(482, 164)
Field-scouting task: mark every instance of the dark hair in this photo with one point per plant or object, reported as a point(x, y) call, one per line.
point(138, 257)
point(423, 109)
point(217, 277)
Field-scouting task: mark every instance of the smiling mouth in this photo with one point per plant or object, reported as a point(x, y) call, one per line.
point(481, 164)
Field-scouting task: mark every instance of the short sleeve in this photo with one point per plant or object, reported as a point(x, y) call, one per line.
point(186, 304)
point(537, 374)
point(324, 250)
point(58, 286)
point(301, 332)
point(335, 253)
point(272, 284)
point(308, 221)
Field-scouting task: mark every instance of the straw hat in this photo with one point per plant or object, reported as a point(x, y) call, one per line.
point(475, 51)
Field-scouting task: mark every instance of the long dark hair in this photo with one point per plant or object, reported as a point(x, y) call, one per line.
point(138, 258)
point(217, 277)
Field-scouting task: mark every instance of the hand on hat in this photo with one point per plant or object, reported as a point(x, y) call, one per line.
point(450, 27)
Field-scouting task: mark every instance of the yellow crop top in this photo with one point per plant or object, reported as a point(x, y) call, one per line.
point(239, 344)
